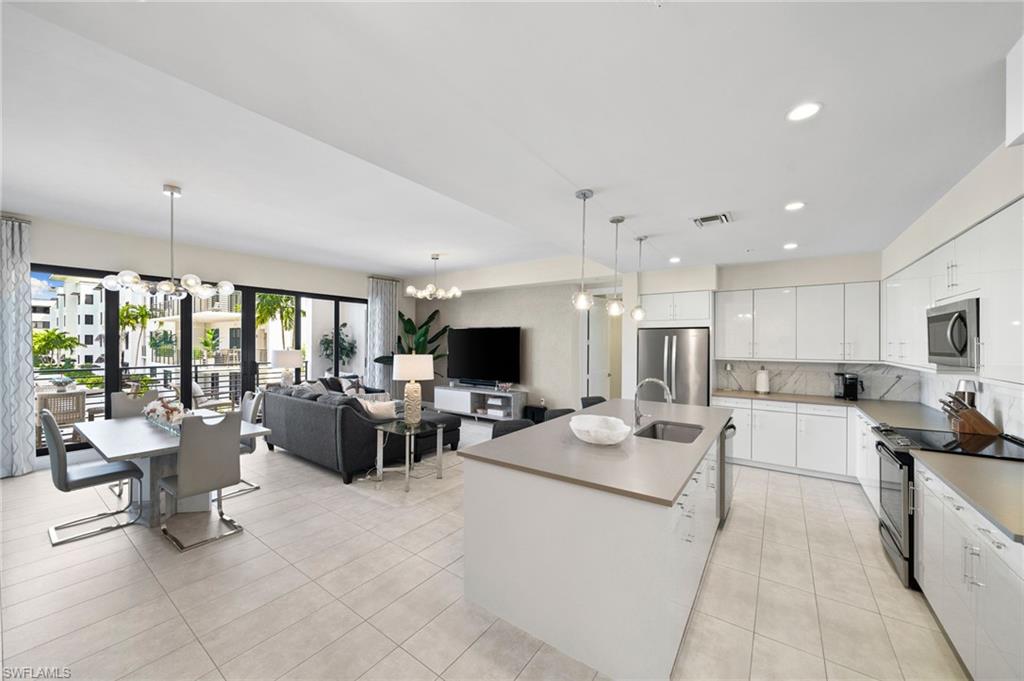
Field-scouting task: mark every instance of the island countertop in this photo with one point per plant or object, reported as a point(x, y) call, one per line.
point(642, 468)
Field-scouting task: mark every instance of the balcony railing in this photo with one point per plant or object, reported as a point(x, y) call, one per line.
point(172, 308)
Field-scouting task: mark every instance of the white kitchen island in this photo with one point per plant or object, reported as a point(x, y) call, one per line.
point(598, 551)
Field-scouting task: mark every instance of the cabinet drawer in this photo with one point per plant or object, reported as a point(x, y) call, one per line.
point(452, 400)
point(766, 405)
point(730, 402)
point(821, 410)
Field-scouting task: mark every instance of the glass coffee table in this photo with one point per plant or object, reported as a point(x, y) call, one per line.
point(409, 431)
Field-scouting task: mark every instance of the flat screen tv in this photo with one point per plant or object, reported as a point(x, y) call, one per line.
point(485, 355)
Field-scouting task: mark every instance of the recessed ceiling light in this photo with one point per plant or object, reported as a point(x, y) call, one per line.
point(790, 246)
point(675, 259)
point(795, 206)
point(801, 112)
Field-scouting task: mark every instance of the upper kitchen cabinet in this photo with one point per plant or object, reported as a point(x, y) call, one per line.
point(907, 297)
point(1001, 294)
point(819, 322)
point(734, 324)
point(658, 306)
point(775, 323)
point(685, 306)
point(860, 322)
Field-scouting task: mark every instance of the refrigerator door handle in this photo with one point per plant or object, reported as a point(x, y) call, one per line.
point(664, 361)
point(672, 386)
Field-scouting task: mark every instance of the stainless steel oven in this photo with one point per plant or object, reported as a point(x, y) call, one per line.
point(895, 516)
point(953, 335)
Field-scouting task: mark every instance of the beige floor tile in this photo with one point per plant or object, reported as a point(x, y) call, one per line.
point(447, 636)
point(321, 540)
point(782, 528)
point(923, 653)
point(857, 639)
point(550, 665)
point(318, 564)
point(347, 658)
point(729, 595)
point(831, 539)
point(896, 601)
point(387, 587)
point(458, 567)
point(499, 654)
point(69, 576)
point(184, 664)
point(133, 653)
point(837, 672)
point(355, 573)
point(446, 551)
point(774, 660)
point(788, 615)
point(185, 573)
point(203, 591)
point(789, 565)
point(408, 614)
point(221, 610)
point(429, 533)
point(842, 580)
point(738, 551)
point(398, 666)
point(713, 649)
point(292, 646)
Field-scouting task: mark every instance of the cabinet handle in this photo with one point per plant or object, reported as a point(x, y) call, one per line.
point(952, 275)
point(963, 563)
point(948, 279)
point(995, 542)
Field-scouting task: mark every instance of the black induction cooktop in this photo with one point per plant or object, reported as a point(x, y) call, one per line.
point(995, 446)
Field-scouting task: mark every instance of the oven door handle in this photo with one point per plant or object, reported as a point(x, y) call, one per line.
point(957, 317)
point(883, 450)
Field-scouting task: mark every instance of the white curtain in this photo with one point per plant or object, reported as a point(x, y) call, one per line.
point(17, 392)
point(381, 330)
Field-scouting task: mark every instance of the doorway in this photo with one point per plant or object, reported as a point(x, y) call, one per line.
point(600, 351)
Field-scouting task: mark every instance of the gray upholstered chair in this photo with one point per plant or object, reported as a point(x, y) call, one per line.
point(591, 400)
point(501, 428)
point(200, 400)
point(70, 478)
point(123, 406)
point(552, 414)
point(251, 405)
point(207, 461)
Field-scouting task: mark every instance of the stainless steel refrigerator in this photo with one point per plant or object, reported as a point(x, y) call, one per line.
point(681, 358)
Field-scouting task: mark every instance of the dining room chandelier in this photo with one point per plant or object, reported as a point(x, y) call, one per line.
point(131, 281)
point(432, 291)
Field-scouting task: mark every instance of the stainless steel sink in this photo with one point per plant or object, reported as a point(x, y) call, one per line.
point(673, 432)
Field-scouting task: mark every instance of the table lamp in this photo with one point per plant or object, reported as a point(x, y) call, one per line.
point(413, 368)
point(288, 360)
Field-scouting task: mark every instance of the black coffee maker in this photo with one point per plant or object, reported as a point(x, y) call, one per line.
point(848, 386)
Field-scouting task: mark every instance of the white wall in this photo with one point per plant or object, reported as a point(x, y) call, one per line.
point(548, 271)
point(996, 182)
point(800, 272)
point(57, 243)
point(674, 279)
point(550, 335)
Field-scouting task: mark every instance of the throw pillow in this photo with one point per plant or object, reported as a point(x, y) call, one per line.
point(318, 387)
point(334, 384)
point(305, 392)
point(379, 410)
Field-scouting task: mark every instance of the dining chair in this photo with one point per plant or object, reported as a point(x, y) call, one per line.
point(250, 410)
point(501, 428)
point(207, 461)
point(552, 414)
point(123, 406)
point(70, 478)
point(591, 400)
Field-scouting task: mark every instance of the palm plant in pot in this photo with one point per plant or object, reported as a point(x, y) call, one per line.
point(417, 340)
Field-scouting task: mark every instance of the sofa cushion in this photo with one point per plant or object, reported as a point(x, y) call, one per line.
point(305, 392)
point(334, 399)
point(379, 410)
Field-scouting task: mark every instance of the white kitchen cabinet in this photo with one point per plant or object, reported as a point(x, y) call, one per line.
point(860, 322)
point(775, 323)
point(819, 322)
point(852, 443)
point(1000, 239)
point(939, 266)
point(773, 437)
point(928, 543)
point(867, 462)
point(958, 617)
point(999, 614)
point(821, 443)
point(908, 296)
point(691, 306)
point(658, 306)
point(741, 419)
point(734, 324)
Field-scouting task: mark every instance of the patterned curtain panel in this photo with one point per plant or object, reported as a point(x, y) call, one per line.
point(17, 393)
point(381, 330)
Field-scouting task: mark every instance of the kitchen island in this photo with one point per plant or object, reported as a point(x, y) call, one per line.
point(598, 551)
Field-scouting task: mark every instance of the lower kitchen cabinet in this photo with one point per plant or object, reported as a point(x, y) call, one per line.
point(741, 419)
point(999, 615)
point(867, 461)
point(773, 437)
point(821, 442)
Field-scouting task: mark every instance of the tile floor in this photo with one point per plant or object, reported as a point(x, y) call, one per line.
point(358, 582)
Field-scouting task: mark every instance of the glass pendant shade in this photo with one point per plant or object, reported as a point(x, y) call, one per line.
point(111, 283)
point(615, 307)
point(638, 313)
point(432, 291)
point(225, 288)
point(582, 300)
point(190, 282)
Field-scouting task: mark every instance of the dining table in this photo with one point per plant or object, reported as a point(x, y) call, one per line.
point(154, 449)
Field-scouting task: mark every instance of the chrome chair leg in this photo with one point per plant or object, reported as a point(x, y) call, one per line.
point(230, 522)
point(120, 488)
point(249, 487)
point(56, 541)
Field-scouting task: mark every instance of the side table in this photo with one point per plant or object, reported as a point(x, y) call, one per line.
point(409, 432)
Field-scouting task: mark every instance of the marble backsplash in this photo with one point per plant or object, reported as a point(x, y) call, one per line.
point(1000, 403)
point(880, 382)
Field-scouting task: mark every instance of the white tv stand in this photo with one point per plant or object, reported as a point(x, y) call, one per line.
point(468, 400)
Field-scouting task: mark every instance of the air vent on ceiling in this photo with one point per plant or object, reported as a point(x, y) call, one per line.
point(712, 220)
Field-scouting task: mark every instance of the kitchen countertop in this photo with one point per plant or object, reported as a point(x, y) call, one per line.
point(894, 412)
point(645, 469)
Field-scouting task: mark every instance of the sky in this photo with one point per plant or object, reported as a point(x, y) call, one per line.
point(42, 287)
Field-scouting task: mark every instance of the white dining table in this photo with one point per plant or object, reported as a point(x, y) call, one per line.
point(154, 450)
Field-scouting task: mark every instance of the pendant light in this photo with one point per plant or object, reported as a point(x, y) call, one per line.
point(583, 300)
point(615, 306)
point(128, 280)
point(431, 291)
point(638, 313)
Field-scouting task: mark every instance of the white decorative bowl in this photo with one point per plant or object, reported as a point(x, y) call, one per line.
point(599, 430)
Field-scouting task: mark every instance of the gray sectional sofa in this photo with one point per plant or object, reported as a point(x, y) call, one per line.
point(335, 431)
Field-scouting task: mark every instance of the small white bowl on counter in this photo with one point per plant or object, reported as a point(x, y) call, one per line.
point(599, 430)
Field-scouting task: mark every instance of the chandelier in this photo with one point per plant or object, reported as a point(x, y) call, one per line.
point(130, 281)
point(431, 291)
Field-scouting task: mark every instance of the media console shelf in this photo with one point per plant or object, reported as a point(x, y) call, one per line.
point(468, 400)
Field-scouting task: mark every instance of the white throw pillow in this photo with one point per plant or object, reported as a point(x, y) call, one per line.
point(318, 387)
point(380, 410)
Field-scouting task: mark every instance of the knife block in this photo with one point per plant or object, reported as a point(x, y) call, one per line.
point(971, 421)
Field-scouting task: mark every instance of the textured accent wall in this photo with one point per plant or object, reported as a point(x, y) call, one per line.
point(550, 336)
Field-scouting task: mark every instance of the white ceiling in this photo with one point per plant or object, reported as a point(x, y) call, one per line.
point(369, 135)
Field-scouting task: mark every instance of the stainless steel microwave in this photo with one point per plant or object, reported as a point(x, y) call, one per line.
point(953, 335)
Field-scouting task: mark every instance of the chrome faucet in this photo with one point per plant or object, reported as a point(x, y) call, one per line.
point(636, 398)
